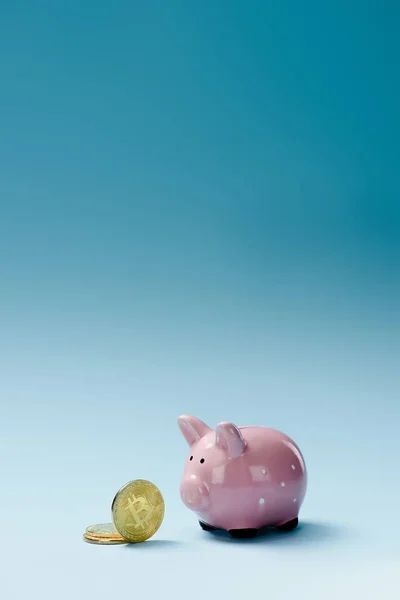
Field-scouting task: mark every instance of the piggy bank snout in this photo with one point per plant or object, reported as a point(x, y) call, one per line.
point(194, 494)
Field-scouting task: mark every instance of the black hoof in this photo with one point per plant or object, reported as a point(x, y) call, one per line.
point(289, 526)
point(207, 527)
point(243, 534)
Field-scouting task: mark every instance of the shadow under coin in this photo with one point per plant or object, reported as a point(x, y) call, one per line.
point(307, 533)
point(154, 544)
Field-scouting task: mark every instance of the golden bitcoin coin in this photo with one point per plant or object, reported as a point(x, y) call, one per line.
point(103, 533)
point(138, 510)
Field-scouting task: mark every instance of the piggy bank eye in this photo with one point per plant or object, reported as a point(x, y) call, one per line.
point(191, 458)
point(202, 460)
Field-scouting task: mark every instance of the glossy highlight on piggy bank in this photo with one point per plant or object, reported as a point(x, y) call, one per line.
point(242, 479)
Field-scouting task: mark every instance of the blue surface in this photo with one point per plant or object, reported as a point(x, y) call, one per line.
point(198, 214)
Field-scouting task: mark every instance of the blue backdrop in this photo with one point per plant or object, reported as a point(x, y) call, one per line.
point(198, 214)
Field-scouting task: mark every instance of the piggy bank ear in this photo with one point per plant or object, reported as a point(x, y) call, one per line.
point(228, 436)
point(192, 428)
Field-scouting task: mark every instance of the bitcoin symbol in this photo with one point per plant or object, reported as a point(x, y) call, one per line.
point(140, 512)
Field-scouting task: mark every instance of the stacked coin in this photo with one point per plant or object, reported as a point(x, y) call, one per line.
point(103, 533)
point(137, 512)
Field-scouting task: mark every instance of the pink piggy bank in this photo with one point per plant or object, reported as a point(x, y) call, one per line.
point(242, 479)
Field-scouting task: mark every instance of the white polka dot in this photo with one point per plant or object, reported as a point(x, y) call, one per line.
point(261, 501)
point(193, 476)
point(294, 499)
point(209, 445)
point(282, 483)
point(263, 471)
point(293, 467)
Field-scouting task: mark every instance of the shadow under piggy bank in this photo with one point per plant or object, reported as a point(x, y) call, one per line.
point(307, 533)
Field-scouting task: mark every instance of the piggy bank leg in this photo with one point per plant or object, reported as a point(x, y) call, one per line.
point(236, 533)
point(289, 526)
point(243, 533)
point(207, 527)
